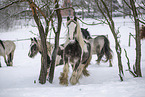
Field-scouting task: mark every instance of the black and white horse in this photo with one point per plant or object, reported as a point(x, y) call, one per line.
point(7, 49)
point(76, 52)
point(100, 46)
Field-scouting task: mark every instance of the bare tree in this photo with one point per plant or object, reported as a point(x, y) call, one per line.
point(137, 66)
point(43, 34)
point(57, 33)
point(107, 14)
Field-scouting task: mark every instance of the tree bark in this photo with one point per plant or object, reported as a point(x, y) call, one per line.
point(43, 71)
point(108, 18)
point(57, 34)
point(138, 44)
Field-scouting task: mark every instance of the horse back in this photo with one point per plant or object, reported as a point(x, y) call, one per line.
point(97, 43)
point(9, 47)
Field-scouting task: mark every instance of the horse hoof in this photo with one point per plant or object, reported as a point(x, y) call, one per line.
point(74, 79)
point(86, 73)
point(63, 79)
point(9, 65)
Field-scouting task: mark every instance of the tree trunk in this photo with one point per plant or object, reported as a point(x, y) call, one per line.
point(52, 67)
point(138, 44)
point(108, 18)
point(43, 72)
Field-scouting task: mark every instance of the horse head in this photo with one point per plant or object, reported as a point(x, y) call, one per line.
point(86, 33)
point(72, 28)
point(74, 32)
point(34, 49)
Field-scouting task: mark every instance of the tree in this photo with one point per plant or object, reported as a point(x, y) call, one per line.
point(9, 15)
point(57, 33)
point(43, 33)
point(107, 14)
point(137, 66)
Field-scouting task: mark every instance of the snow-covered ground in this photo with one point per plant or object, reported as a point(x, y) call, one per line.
point(18, 81)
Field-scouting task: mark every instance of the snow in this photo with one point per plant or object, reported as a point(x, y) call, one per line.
point(18, 81)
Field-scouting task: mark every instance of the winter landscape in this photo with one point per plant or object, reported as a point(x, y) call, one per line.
point(18, 80)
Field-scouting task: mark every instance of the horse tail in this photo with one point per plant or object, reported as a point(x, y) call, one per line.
point(106, 49)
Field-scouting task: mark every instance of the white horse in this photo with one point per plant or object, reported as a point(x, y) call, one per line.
point(7, 49)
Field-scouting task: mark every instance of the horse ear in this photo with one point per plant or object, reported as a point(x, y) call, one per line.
point(68, 18)
point(75, 18)
point(35, 39)
point(31, 39)
point(86, 28)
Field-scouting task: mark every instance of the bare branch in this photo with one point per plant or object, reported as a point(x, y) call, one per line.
point(102, 22)
point(128, 63)
point(127, 4)
point(11, 4)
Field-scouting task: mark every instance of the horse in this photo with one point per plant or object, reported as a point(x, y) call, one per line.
point(7, 49)
point(142, 32)
point(76, 51)
point(35, 47)
point(100, 46)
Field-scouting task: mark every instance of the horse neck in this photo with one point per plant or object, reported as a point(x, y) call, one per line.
point(49, 47)
point(39, 45)
point(80, 39)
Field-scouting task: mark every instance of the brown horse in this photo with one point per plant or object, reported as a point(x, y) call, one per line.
point(142, 32)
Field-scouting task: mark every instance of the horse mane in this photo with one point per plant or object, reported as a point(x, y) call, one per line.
point(1, 42)
point(79, 36)
point(49, 46)
point(142, 32)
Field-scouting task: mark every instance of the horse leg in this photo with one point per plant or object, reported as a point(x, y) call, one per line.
point(9, 60)
point(110, 63)
point(98, 54)
point(99, 58)
point(75, 75)
point(6, 60)
point(64, 75)
point(85, 71)
point(0, 63)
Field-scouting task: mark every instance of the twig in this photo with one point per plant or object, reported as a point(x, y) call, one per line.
point(11, 4)
point(128, 63)
point(102, 22)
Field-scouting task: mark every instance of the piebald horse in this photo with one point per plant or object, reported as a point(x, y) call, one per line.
point(7, 49)
point(76, 51)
